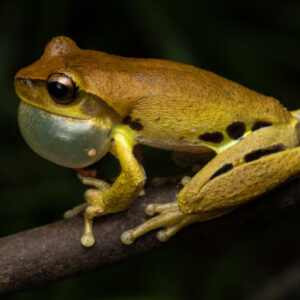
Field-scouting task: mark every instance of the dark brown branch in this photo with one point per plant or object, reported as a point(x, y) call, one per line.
point(53, 251)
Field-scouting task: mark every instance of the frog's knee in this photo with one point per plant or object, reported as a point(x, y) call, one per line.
point(186, 201)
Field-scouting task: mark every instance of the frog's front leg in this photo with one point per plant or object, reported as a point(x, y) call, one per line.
point(91, 181)
point(124, 190)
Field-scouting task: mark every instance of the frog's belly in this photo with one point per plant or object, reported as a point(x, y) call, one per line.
point(174, 144)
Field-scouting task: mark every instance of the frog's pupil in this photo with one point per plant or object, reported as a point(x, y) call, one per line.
point(57, 89)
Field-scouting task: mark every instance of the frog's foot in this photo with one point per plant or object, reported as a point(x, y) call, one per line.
point(167, 218)
point(171, 219)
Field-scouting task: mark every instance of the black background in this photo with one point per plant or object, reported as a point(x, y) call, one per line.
point(255, 43)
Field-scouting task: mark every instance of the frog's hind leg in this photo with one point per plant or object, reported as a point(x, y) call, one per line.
point(234, 177)
point(171, 219)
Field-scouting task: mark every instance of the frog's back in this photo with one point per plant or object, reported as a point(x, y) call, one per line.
point(174, 105)
point(170, 104)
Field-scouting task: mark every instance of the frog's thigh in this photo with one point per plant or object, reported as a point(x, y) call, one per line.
point(241, 183)
point(224, 181)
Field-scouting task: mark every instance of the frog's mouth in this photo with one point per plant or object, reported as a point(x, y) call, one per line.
point(66, 141)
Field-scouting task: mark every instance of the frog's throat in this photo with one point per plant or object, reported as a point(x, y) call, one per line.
point(66, 141)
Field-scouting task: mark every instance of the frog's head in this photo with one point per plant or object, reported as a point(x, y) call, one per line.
point(58, 117)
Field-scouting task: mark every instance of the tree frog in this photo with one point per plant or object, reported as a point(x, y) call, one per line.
point(77, 105)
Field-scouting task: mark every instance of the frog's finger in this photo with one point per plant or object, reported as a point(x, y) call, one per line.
point(75, 211)
point(87, 239)
point(95, 182)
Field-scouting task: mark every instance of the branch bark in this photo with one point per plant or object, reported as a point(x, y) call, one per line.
point(51, 252)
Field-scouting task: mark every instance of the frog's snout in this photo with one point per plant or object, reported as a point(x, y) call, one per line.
point(66, 141)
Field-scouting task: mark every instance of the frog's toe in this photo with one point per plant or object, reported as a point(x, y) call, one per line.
point(127, 237)
point(185, 180)
point(87, 240)
point(164, 234)
point(152, 209)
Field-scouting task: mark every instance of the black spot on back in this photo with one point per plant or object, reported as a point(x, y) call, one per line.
point(127, 120)
point(260, 124)
point(135, 125)
point(236, 130)
point(214, 137)
point(263, 152)
point(222, 170)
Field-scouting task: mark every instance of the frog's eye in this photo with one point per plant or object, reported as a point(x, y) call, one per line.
point(61, 88)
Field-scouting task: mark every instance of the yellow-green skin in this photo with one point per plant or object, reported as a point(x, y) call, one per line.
point(168, 105)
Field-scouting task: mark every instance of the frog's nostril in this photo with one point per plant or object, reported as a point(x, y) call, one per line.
point(25, 81)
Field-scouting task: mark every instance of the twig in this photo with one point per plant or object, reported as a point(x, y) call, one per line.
point(53, 251)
